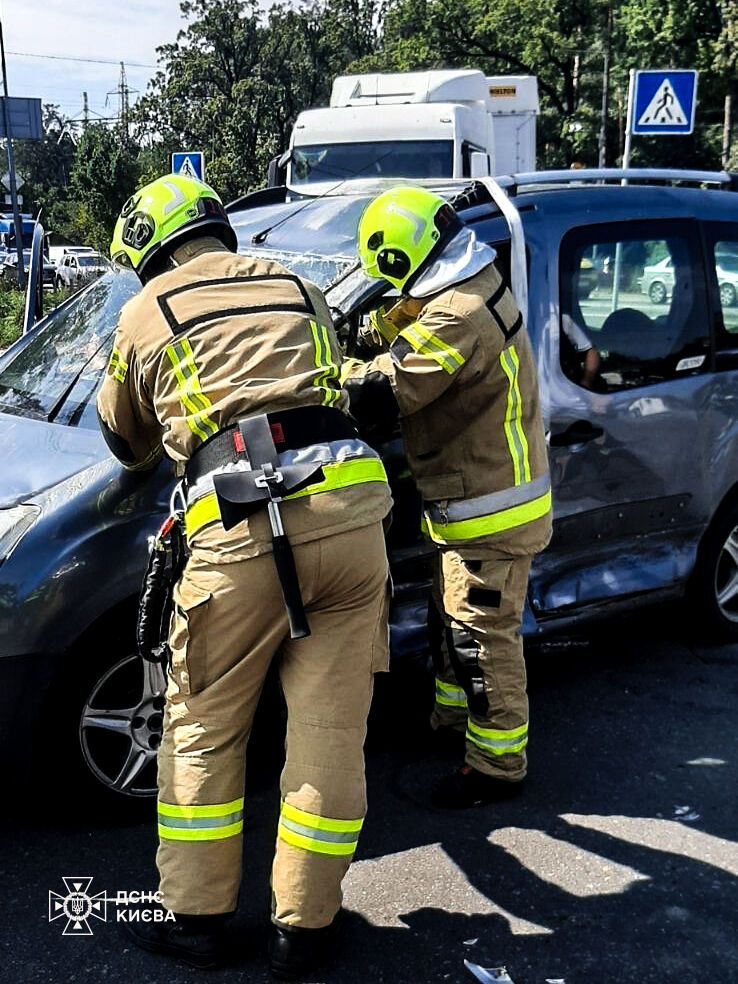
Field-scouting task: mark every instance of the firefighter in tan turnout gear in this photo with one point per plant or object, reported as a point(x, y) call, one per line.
point(230, 366)
point(461, 370)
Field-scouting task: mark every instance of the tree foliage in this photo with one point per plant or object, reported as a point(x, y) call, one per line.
point(236, 76)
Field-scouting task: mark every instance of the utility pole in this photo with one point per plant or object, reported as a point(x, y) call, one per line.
point(85, 111)
point(727, 130)
point(123, 103)
point(11, 170)
point(602, 162)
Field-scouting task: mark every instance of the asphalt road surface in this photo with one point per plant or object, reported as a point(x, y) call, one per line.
point(618, 864)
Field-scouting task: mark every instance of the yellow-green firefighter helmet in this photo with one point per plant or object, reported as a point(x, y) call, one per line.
point(401, 230)
point(160, 215)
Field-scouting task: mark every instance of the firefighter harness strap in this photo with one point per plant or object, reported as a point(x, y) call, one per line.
point(253, 441)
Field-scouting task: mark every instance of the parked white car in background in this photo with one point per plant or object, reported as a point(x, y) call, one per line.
point(658, 279)
point(57, 253)
point(75, 269)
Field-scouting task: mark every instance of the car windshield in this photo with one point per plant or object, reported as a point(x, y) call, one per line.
point(380, 158)
point(89, 261)
point(728, 263)
point(314, 238)
point(66, 354)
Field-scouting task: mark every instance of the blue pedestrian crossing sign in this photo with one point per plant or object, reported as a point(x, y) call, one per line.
point(190, 164)
point(664, 102)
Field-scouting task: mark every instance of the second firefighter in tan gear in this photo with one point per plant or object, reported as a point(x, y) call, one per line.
point(461, 369)
point(213, 340)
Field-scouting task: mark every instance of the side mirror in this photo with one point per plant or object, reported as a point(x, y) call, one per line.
point(277, 170)
point(34, 310)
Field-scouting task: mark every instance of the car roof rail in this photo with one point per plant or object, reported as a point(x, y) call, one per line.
point(725, 180)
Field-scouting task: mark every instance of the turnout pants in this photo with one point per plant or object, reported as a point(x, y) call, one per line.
point(474, 627)
point(229, 623)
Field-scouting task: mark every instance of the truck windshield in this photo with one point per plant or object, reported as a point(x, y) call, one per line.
point(385, 158)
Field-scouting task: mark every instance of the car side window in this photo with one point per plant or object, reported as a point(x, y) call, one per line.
point(722, 260)
point(633, 308)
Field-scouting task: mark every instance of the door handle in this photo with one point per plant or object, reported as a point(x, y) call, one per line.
point(579, 432)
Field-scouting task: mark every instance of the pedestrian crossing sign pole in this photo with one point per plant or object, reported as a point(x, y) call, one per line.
point(661, 102)
point(190, 164)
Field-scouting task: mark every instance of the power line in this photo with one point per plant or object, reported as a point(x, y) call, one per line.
point(73, 58)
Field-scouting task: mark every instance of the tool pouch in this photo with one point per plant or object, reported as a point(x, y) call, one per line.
point(167, 558)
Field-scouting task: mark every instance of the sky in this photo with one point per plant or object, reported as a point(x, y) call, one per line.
point(111, 30)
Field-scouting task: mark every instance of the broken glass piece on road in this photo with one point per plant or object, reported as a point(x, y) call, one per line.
point(489, 975)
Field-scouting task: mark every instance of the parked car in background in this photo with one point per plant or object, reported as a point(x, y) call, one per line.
point(56, 253)
point(644, 467)
point(9, 269)
point(658, 279)
point(75, 269)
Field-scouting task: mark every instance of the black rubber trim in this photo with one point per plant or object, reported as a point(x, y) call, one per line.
point(178, 328)
point(485, 597)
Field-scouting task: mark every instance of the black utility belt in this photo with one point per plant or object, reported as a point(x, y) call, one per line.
point(290, 431)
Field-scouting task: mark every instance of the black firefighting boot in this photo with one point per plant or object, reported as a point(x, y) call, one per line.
point(294, 952)
point(468, 787)
point(196, 940)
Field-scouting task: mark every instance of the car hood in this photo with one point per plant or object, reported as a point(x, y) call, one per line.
point(37, 455)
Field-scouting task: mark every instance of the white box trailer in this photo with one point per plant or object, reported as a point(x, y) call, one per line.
point(435, 124)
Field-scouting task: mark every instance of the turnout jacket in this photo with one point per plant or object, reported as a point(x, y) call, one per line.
point(462, 370)
point(219, 338)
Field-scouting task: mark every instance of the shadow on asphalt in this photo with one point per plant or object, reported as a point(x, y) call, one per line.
point(593, 875)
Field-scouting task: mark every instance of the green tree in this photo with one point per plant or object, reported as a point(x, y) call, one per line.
point(103, 176)
point(46, 165)
point(234, 81)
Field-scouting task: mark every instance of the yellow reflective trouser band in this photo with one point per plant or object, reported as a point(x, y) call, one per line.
point(448, 695)
point(317, 834)
point(117, 366)
point(200, 823)
point(499, 522)
point(190, 391)
point(328, 371)
point(516, 439)
point(338, 475)
point(426, 343)
point(497, 742)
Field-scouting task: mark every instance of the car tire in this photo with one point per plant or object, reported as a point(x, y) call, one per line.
point(58, 284)
point(714, 585)
point(88, 679)
point(657, 292)
point(727, 295)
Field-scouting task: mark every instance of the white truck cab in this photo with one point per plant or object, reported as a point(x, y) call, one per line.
point(436, 124)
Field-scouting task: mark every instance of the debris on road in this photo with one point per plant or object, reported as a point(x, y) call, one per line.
point(686, 813)
point(489, 975)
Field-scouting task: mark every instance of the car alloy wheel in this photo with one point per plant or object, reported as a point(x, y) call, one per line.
point(121, 726)
point(726, 577)
point(657, 292)
point(727, 295)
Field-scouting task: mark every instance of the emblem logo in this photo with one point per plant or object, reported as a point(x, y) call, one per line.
point(78, 906)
